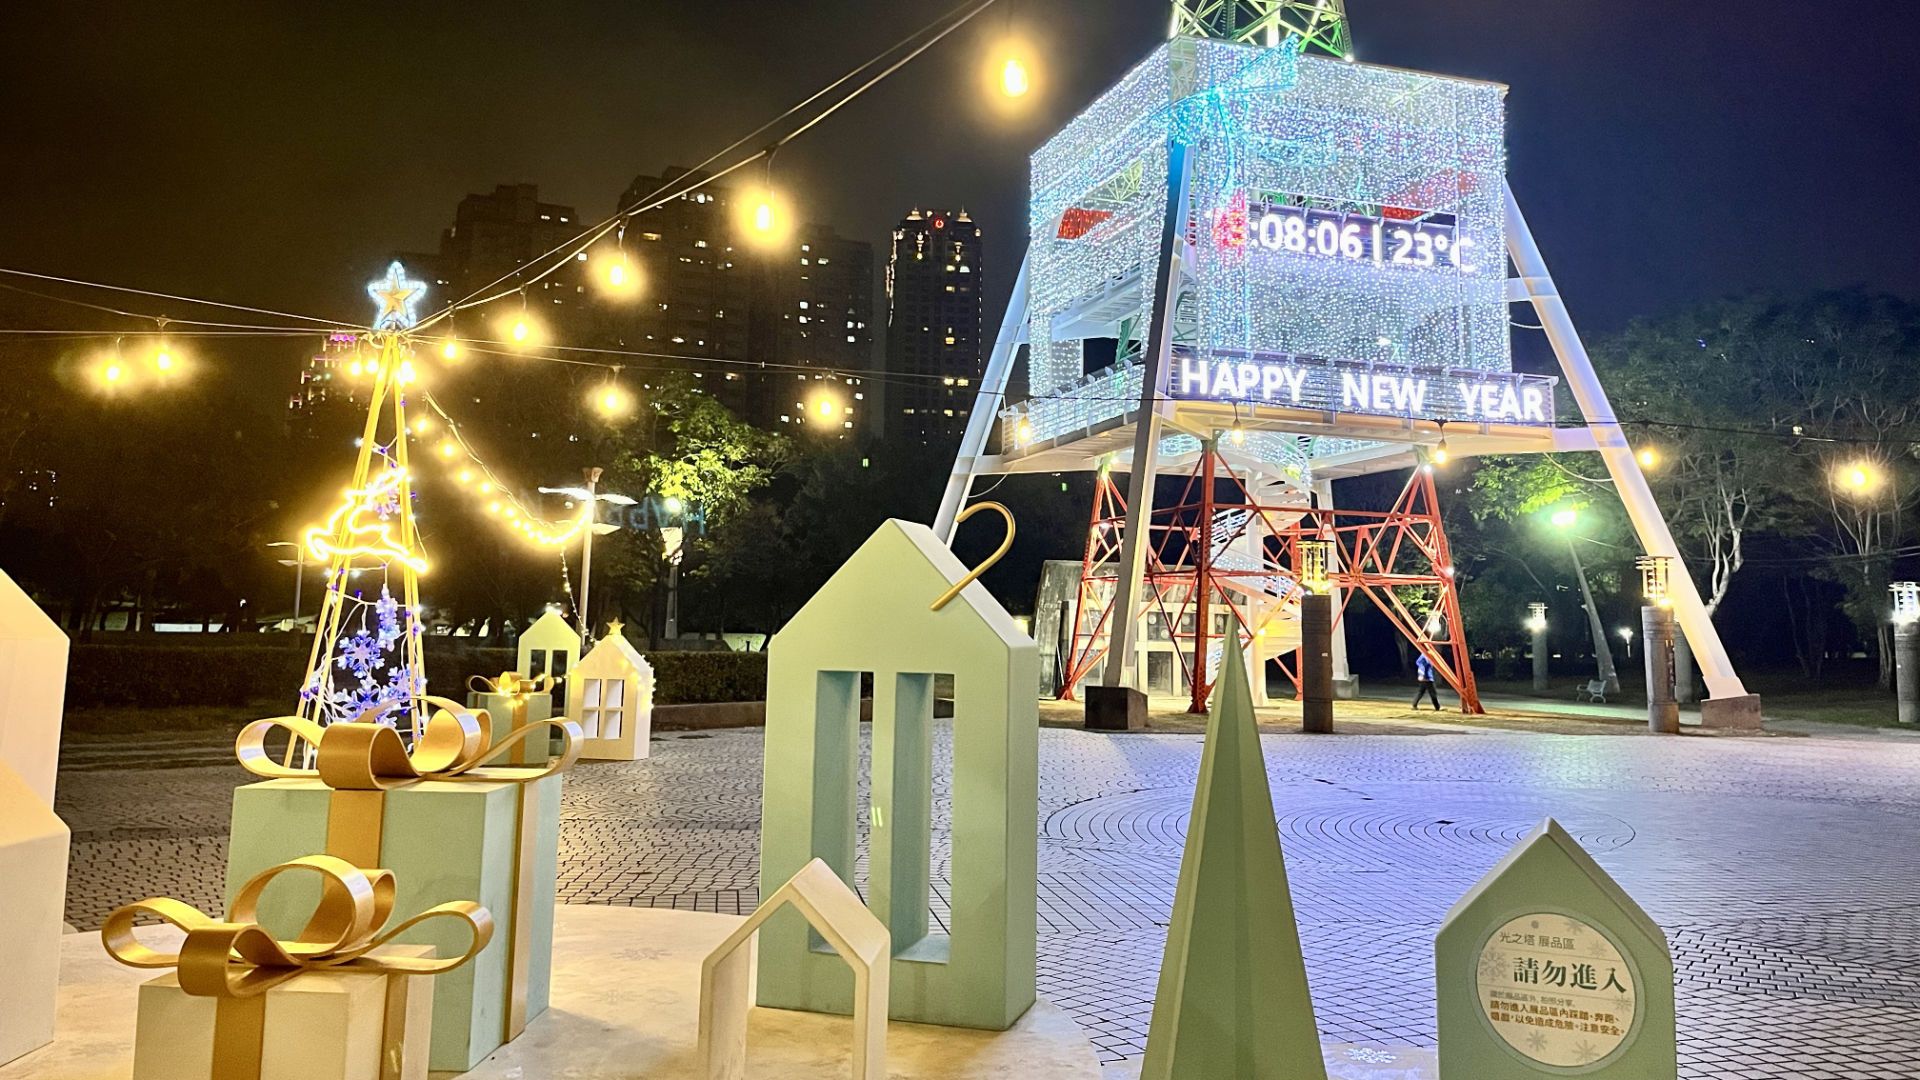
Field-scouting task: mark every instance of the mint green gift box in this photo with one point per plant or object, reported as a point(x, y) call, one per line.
point(444, 841)
point(504, 712)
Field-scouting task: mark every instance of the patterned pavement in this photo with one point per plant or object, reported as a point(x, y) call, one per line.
point(1786, 870)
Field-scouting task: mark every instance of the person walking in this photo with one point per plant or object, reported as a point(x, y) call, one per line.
point(1423, 671)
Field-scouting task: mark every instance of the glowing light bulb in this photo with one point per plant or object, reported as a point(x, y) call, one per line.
point(493, 507)
point(405, 372)
point(163, 359)
point(1238, 435)
point(422, 426)
point(450, 350)
point(355, 368)
point(466, 476)
point(113, 372)
point(763, 216)
point(449, 448)
point(1649, 458)
point(1013, 78)
point(1440, 453)
point(521, 331)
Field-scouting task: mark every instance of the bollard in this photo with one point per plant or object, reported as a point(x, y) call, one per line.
point(1316, 663)
point(1663, 712)
point(1906, 669)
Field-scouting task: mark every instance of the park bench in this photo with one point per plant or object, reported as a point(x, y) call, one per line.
point(1596, 690)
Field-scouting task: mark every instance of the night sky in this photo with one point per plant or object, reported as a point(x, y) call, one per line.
point(268, 152)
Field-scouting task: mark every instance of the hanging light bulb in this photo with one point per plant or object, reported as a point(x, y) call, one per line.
point(449, 350)
point(405, 372)
point(1440, 454)
point(1013, 78)
point(449, 449)
point(1238, 434)
point(615, 273)
point(612, 401)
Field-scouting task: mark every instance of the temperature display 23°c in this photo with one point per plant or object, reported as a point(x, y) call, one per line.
point(1353, 237)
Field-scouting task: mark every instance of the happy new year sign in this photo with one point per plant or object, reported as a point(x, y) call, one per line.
point(1453, 395)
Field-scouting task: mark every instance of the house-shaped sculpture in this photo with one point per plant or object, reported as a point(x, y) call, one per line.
point(612, 700)
point(550, 647)
point(875, 617)
point(831, 910)
point(1548, 968)
point(33, 842)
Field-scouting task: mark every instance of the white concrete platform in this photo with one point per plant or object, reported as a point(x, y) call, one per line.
point(626, 995)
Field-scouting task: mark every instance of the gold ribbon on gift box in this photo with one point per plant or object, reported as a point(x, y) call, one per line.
point(517, 688)
point(236, 961)
point(364, 759)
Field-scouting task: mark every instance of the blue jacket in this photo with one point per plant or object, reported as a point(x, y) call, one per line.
point(1423, 669)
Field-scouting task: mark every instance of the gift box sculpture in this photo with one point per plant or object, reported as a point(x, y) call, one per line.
point(906, 610)
point(338, 999)
point(515, 702)
point(448, 821)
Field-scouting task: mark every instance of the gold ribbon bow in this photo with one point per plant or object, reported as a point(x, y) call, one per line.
point(238, 961)
point(513, 684)
point(366, 755)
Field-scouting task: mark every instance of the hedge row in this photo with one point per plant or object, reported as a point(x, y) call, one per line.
point(122, 675)
point(702, 678)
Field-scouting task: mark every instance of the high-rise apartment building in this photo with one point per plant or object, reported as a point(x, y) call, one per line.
point(491, 237)
point(707, 293)
point(934, 350)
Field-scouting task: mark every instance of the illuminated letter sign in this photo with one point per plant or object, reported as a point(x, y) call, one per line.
point(1486, 397)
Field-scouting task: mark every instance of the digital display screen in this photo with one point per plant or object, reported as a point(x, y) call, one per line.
point(1433, 242)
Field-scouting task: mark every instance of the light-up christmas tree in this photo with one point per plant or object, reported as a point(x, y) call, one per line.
point(367, 641)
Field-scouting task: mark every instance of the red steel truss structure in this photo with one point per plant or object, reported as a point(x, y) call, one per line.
point(1390, 556)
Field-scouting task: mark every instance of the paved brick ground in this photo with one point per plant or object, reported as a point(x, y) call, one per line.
point(1785, 870)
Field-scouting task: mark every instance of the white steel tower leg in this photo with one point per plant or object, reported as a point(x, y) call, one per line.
point(986, 406)
point(1628, 480)
point(1122, 661)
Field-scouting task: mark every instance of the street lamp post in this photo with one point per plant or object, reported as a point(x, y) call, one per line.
point(1602, 652)
point(299, 564)
point(1537, 624)
point(592, 496)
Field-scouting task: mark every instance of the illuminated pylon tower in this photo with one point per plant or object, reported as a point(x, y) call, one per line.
point(367, 639)
point(1306, 263)
point(1320, 24)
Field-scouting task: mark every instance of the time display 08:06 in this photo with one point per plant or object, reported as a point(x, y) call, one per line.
point(1352, 237)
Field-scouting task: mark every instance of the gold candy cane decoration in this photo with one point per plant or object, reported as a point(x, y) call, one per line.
point(974, 574)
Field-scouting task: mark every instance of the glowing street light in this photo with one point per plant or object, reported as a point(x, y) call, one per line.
point(1565, 519)
point(1648, 457)
point(1858, 478)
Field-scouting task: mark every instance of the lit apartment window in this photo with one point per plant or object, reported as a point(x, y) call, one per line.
point(803, 305)
point(823, 262)
point(850, 339)
point(679, 341)
point(649, 236)
point(859, 397)
point(949, 339)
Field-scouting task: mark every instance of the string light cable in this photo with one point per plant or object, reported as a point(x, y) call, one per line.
point(939, 29)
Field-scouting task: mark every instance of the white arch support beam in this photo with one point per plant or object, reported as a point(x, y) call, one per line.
point(1730, 705)
point(987, 404)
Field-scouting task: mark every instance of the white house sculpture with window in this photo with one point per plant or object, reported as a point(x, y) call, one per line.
point(612, 700)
